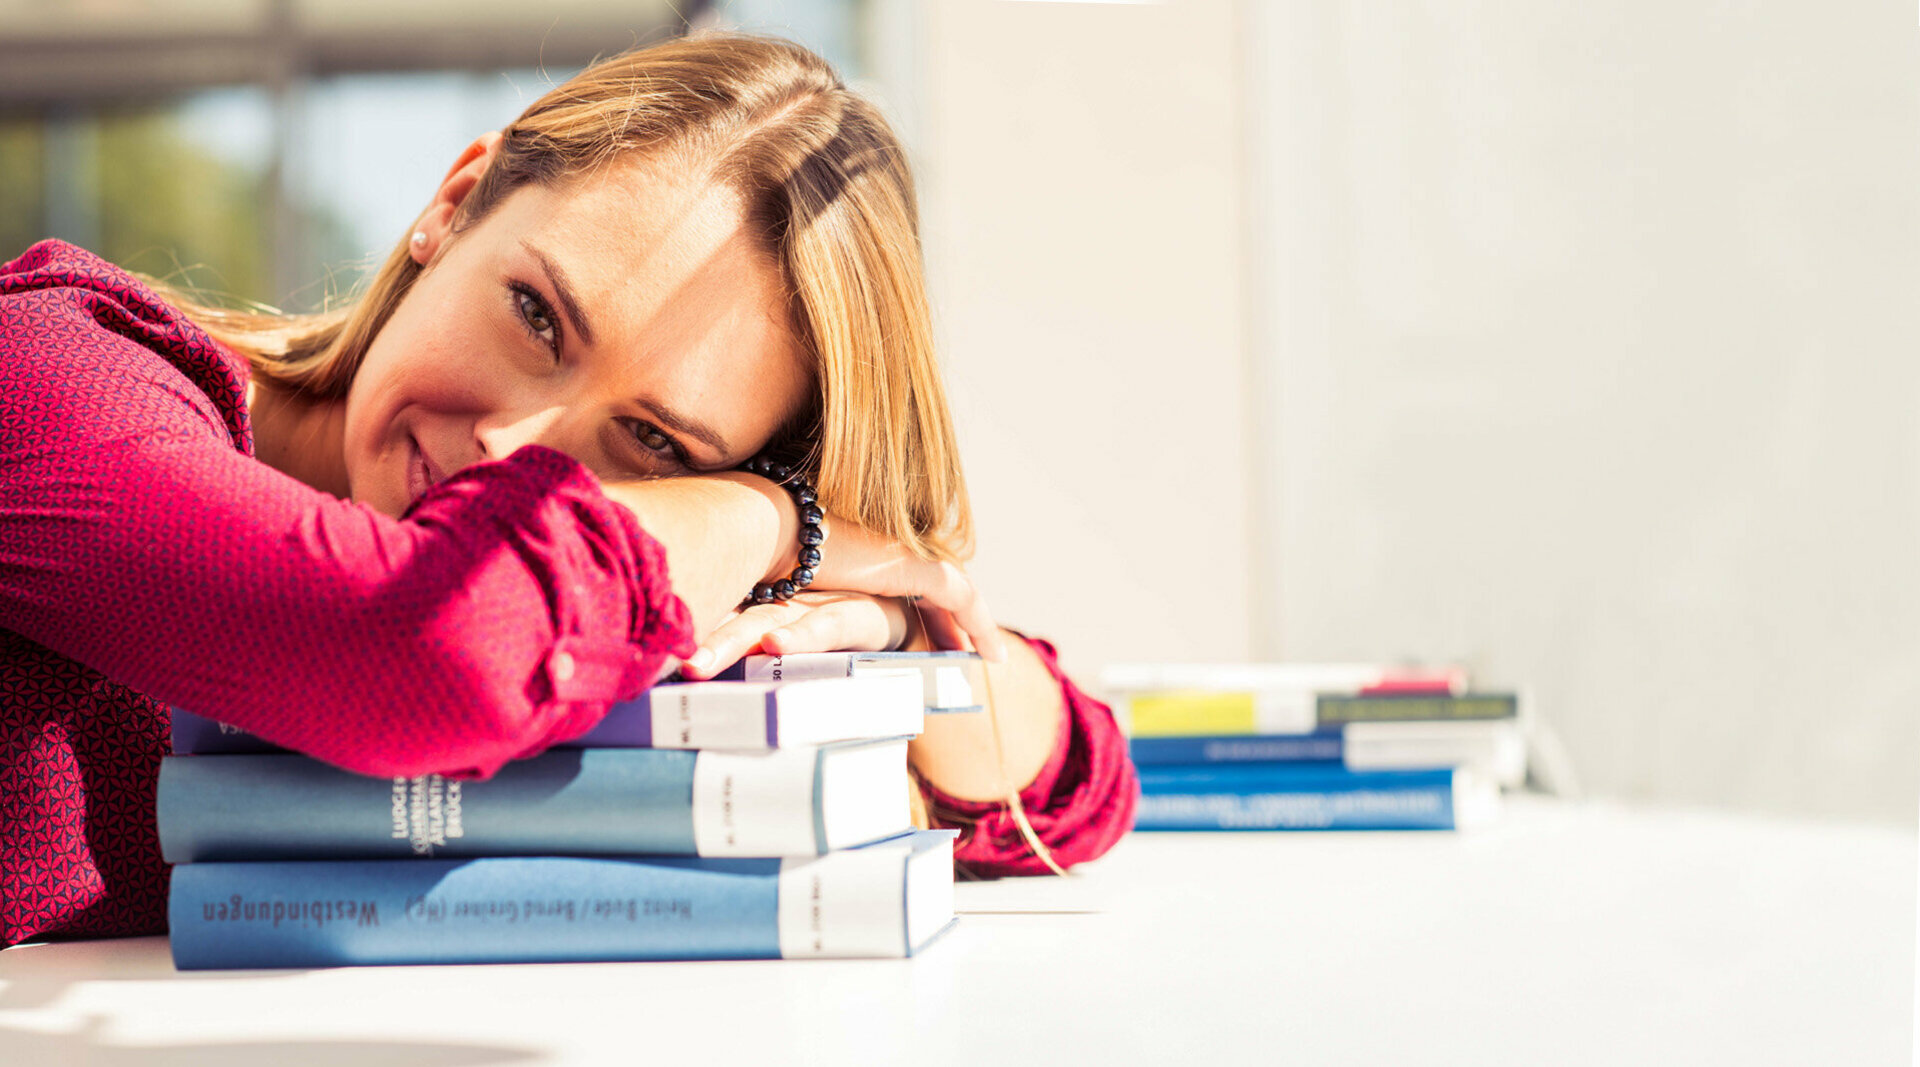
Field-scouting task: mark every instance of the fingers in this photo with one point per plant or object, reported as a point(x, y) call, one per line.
point(810, 622)
point(857, 624)
point(954, 592)
point(941, 630)
point(859, 560)
point(739, 635)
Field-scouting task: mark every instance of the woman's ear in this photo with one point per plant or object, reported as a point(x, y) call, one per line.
point(436, 223)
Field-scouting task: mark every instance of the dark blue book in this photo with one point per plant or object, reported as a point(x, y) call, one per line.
point(1283, 796)
point(1324, 746)
point(730, 714)
point(884, 900)
point(780, 802)
point(1497, 748)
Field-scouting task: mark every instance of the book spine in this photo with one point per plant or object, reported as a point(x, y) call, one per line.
point(1324, 747)
point(1336, 709)
point(578, 801)
point(1305, 798)
point(948, 679)
point(854, 903)
point(627, 725)
point(494, 910)
point(198, 734)
point(692, 715)
point(1496, 748)
point(688, 716)
point(799, 668)
point(1199, 713)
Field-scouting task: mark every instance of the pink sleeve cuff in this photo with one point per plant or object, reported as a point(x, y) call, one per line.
point(1079, 805)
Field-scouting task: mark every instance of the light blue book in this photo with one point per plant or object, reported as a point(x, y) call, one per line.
point(778, 802)
point(884, 900)
point(1308, 796)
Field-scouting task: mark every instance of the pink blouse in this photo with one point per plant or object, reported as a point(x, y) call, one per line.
point(147, 559)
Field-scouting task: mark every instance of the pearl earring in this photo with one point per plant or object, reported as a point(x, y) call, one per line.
point(419, 238)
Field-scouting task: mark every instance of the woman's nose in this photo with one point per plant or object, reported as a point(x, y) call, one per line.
point(499, 436)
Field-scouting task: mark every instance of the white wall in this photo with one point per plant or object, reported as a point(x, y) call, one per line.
point(1079, 178)
point(1573, 341)
point(1593, 343)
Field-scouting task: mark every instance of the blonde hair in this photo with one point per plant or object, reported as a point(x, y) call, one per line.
point(826, 185)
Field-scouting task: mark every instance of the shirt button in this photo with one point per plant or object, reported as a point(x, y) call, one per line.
point(561, 666)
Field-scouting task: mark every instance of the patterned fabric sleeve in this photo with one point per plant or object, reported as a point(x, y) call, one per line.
point(1080, 803)
point(504, 612)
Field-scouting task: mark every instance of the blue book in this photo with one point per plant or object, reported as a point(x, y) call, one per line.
point(731, 714)
point(1497, 748)
point(780, 802)
point(884, 900)
point(952, 681)
point(1282, 796)
point(1325, 746)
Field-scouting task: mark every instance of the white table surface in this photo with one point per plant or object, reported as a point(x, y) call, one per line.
point(1563, 935)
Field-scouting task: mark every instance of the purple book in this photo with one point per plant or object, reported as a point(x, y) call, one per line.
point(718, 715)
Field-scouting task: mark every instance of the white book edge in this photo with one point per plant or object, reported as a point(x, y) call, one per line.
point(1496, 748)
point(780, 802)
point(949, 680)
point(823, 710)
point(1476, 799)
point(883, 901)
point(737, 715)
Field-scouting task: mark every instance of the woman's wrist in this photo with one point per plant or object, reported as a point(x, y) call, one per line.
point(782, 544)
point(722, 532)
point(812, 531)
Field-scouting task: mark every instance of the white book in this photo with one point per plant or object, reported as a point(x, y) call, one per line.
point(1496, 749)
point(951, 681)
point(750, 715)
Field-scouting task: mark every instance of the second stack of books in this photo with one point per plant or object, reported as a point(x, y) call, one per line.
point(1291, 746)
point(729, 819)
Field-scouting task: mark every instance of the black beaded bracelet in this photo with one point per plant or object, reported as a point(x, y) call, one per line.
point(812, 534)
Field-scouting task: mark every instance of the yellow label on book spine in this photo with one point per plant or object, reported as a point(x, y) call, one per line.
point(1191, 713)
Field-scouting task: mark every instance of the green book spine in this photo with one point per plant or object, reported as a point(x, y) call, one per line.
point(1334, 710)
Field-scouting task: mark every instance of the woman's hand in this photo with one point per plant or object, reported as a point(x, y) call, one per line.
point(725, 531)
point(810, 622)
point(858, 560)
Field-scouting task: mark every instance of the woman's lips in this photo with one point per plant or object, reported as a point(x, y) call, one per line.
point(420, 473)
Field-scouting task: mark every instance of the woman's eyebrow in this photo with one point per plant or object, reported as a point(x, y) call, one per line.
point(688, 427)
point(558, 279)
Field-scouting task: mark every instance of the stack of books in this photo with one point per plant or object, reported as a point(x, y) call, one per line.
point(1289, 746)
point(762, 816)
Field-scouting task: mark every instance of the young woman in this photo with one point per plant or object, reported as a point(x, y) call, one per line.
point(450, 525)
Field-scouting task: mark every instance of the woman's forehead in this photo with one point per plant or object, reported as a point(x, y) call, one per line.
point(640, 222)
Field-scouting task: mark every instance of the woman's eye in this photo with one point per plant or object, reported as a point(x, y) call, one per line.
point(537, 317)
point(653, 440)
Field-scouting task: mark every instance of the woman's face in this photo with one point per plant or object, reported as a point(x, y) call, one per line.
point(627, 319)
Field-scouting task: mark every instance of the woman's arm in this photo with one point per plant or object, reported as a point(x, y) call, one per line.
point(1076, 806)
point(506, 611)
point(722, 533)
point(989, 757)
